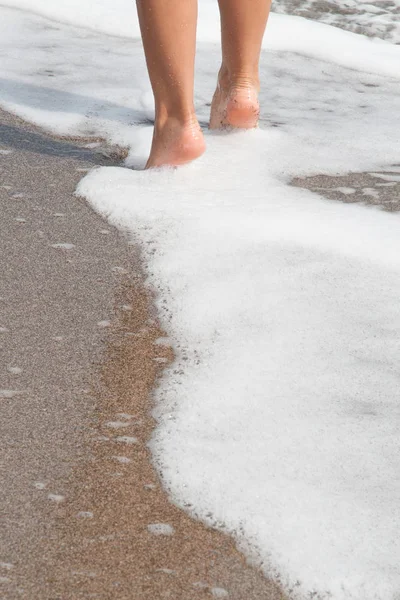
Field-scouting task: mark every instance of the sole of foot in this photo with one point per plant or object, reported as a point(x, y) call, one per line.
point(235, 108)
point(175, 144)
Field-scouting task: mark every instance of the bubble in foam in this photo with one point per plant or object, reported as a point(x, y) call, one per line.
point(8, 394)
point(386, 177)
point(347, 191)
point(104, 324)
point(124, 460)
point(39, 485)
point(161, 529)
point(126, 439)
point(126, 416)
point(218, 592)
point(149, 486)
point(370, 192)
point(166, 571)
point(90, 574)
point(14, 370)
point(117, 424)
point(85, 514)
point(163, 341)
point(201, 585)
point(63, 246)
point(57, 498)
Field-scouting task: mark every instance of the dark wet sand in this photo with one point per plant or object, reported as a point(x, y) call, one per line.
point(380, 189)
point(77, 502)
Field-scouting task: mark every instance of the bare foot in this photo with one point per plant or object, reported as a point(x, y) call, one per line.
point(176, 143)
point(235, 104)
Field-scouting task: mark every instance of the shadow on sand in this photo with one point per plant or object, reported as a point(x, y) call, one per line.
point(51, 100)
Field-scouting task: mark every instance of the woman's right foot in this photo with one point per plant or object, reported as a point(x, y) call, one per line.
point(235, 104)
point(176, 142)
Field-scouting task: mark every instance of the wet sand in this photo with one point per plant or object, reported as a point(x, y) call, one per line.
point(380, 189)
point(85, 512)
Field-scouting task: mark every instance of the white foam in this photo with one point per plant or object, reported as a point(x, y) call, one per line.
point(285, 32)
point(287, 421)
point(76, 100)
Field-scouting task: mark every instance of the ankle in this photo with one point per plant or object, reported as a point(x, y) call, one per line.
point(243, 79)
point(183, 117)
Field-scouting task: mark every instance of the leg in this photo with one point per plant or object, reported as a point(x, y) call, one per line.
point(235, 103)
point(169, 38)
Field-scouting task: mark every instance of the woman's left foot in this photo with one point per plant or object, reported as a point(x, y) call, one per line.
point(235, 104)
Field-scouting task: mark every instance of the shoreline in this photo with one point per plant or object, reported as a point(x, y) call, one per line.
point(82, 525)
